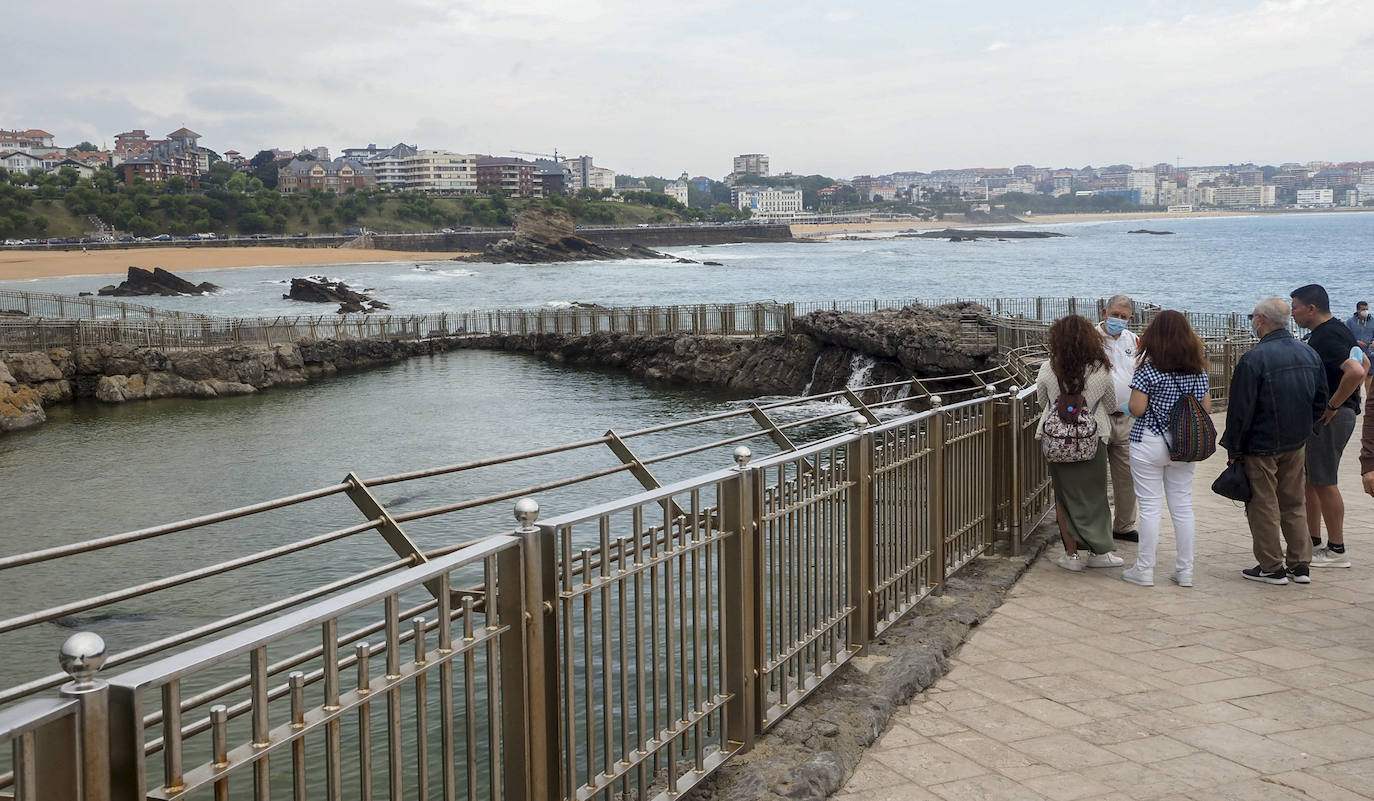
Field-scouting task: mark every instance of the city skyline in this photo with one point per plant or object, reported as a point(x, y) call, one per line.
point(641, 87)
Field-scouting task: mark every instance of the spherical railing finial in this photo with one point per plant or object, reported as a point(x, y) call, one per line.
point(526, 512)
point(742, 456)
point(936, 401)
point(858, 421)
point(81, 656)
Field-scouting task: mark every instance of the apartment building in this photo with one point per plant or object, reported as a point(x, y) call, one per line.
point(337, 177)
point(677, 190)
point(1316, 197)
point(586, 175)
point(32, 141)
point(1259, 195)
point(440, 171)
point(179, 154)
point(756, 163)
point(513, 176)
point(767, 202)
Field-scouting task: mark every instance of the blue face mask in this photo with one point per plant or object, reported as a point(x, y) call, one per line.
point(1115, 325)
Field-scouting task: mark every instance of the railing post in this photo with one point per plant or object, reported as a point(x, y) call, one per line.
point(991, 475)
point(87, 776)
point(935, 435)
point(860, 526)
point(533, 670)
point(1018, 506)
point(741, 626)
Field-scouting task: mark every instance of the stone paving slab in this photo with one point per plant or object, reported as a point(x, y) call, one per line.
point(1081, 686)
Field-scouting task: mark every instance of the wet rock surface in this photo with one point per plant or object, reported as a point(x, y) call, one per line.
point(820, 355)
point(1148, 231)
point(318, 289)
point(967, 235)
point(549, 236)
point(156, 282)
point(810, 754)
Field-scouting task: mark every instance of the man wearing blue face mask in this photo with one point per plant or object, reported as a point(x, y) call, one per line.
point(1122, 345)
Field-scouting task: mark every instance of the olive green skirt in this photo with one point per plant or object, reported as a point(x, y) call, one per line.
point(1081, 489)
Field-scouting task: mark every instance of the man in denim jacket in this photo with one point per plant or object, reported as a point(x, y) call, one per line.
point(1277, 393)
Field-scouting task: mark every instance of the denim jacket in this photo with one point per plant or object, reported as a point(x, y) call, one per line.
point(1277, 392)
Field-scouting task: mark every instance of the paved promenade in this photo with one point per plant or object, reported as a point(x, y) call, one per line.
point(1082, 686)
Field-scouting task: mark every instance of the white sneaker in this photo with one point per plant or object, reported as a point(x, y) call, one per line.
point(1143, 578)
point(1183, 578)
point(1325, 557)
point(1070, 561)
point(1105, 560)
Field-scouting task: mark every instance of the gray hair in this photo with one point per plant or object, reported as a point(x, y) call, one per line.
point(1120, 300)
point(1275, 310)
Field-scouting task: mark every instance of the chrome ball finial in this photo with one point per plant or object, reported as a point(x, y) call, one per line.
point(936, 401)
point(858, 421)
point(526, 512)
point(742, 456)
point(81, 656)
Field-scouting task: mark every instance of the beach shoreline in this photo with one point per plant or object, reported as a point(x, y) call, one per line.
point(803, 231)
point(18, 265)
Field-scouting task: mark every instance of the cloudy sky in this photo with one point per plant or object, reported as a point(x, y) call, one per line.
point(652, 87)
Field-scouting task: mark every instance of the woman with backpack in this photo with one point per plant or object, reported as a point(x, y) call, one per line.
point(1170, 399)
point(1076, 391)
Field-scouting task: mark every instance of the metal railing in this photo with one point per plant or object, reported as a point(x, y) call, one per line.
point(66, 307)
point(627, 648)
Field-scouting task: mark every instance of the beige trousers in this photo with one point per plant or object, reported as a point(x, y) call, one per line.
point(1278, 506)
point(1119, 466)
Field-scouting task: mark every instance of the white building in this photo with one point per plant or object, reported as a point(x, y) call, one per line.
point(756, 163)
point(677, 190)
point(1145, 181)
point(767, 202)
point(1364, 193)
point(439, 171)
point(586, 175)
point(1316, 197)
point(1262, 195)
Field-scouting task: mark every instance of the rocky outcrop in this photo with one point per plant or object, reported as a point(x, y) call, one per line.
point(318, 289)
point(819, 356)
point(965, 235)
point(1148, 231)
point(118, 373)
point(157, 282)
point(544, 236)
point(20, 406)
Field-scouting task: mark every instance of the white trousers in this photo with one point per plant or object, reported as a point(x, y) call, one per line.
point(1158, 478)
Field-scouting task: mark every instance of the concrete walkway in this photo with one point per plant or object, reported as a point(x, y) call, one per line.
point(1084, 686)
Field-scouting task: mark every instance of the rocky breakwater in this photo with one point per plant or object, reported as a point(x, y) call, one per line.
point(825, 351)
point(118, 373)
point(544, 236)
point(158, 282)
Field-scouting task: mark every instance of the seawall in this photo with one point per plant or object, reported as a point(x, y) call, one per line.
point(117, 373)
point(472, 241)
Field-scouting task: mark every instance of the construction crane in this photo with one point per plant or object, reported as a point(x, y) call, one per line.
point(554, 155)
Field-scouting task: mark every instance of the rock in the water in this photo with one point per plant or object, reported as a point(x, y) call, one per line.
point(157, 282)
point(712, 264)
point(963, 235)
point(544, 236)
point(318, 289)
point(1148, 231)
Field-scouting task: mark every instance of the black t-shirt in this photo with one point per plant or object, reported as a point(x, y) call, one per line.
point(1332, 341)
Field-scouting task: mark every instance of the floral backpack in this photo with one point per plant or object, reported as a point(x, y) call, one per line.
point(1069, 433)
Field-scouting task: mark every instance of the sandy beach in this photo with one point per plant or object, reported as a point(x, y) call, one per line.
point(16, 264)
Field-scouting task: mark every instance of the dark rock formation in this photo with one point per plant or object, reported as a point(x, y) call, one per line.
point(965, 235)
point(157, 282)
point(545, 236)
point(1148, 231)
point(318, 289)
point(820, 353)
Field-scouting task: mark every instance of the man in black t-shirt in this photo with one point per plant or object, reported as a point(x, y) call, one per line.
point(1333, 342)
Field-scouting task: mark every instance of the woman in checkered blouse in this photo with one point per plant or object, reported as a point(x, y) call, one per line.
point(1171, 363)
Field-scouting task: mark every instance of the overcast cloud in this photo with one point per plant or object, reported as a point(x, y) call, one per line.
point(651, 87)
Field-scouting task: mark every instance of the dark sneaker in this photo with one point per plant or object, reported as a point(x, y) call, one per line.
point(1256, 573)
point(1299, 574)
point(1126, 536)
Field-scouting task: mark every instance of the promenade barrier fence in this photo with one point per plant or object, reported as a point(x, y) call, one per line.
point(625, 648)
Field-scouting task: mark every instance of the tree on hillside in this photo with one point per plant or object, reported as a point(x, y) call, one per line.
point(85, 147)
point(722, 212)
point(264, 166)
